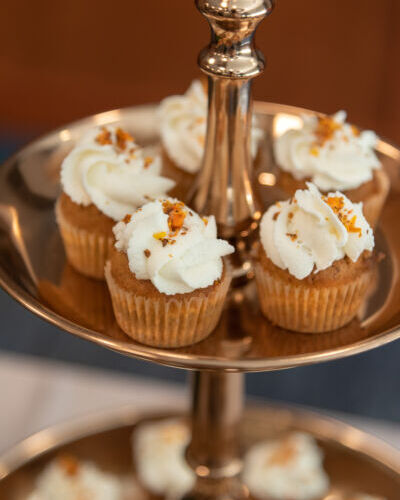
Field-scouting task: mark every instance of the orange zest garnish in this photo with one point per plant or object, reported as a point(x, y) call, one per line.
point(355, 130)
point(104, 137)
point(148, 161)
point(122, 138)
point(337, 204)
point(127, 218)
point(325, 129)
point(176, 216)
point(160, 235)
point(283, 454)
point(314, 151)
point(69, 464)
point(205, 220)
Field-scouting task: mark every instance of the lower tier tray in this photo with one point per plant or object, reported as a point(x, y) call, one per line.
point(354, 460)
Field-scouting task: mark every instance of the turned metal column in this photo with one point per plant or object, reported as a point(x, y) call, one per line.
point(224, 186)
point(214, 452)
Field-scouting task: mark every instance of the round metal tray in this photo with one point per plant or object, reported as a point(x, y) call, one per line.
point(353, 460)
point(33, 268)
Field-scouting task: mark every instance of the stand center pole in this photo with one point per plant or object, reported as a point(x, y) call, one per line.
point(214, 452)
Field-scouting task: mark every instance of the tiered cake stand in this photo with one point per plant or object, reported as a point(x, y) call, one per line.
point(33, 268)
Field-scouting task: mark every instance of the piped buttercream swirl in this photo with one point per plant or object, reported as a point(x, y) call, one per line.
point(183, 122)
point(331, 153)
point(309, 232)
point(169, 244)
point(107, 168)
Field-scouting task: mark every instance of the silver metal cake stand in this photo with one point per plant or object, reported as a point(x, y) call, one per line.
point(34, 271)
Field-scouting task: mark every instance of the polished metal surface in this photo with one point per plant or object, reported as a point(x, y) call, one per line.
point(33, 268)
point(214, 452)
point(225, 184)
point(354, 460)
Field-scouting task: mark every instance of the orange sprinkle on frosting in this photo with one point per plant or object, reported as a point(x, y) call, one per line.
point(122, 137)
point(325, 129)
point(160, 235)
point(104, 137)
point(176, 216)
point(69, 464)
point(148, 161)
point(337, 204)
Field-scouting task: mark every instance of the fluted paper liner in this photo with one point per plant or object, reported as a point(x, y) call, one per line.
point(86, 251)
point(166, 321)
point(310, 309)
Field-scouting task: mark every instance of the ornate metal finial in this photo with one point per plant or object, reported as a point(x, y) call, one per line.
point(224, 186)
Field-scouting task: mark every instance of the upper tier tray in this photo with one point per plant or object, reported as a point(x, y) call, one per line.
point(34, 271)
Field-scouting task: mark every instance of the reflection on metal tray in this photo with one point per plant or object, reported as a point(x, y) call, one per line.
point(354, 460)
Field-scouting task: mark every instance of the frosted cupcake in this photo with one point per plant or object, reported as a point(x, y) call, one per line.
point(315, 261)
point(68, 479)
point(104, 177)
point(166, 275)
point(159, 456)
point(183, 122)
point(335, 156)
point(286, 469)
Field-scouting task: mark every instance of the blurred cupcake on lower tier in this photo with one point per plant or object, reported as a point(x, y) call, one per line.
point(290, 468)
point(159, 457)
point(167, 277)
point(183, 123)
point(335, 156)
point(105, 176)
point(67, 478)
point(315, 261)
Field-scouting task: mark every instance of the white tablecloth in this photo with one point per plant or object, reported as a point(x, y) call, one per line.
point(36, 394)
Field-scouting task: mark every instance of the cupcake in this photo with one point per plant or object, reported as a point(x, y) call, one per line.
point(166, 274)
point(289, 468)
point(105, 176)
point(159, 457)
point(183, 122)
point(335, 156)
point(67, 478)
point(315, 261)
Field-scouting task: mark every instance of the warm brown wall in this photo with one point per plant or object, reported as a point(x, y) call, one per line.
point(62, 60)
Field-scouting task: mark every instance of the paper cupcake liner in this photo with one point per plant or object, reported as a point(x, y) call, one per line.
point(167, 321)
point(373, 205)
point(307, 309)
point(87, 252)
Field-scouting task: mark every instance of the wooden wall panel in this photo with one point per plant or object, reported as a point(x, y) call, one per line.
point(60, 61)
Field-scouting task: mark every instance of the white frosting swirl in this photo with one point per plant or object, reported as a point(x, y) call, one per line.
point(308, 234)
point(107, 168)
point(183, 123)
point(161, 466)
point(175, 262)
point(286, 468)
point(88, 482)
point(330, 152)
